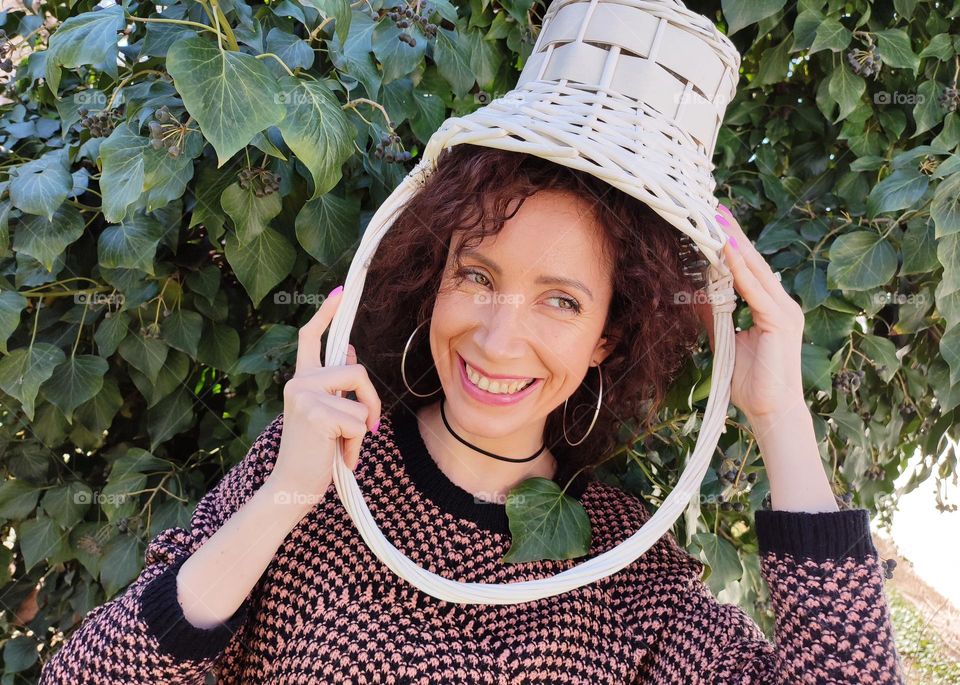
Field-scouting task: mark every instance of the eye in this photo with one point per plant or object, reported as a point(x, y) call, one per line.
point(572, 304)
point(463, 273)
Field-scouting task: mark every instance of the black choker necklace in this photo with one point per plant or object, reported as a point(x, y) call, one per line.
point(489, 454)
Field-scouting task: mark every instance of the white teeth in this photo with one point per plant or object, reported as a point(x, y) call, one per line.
point(492, 386)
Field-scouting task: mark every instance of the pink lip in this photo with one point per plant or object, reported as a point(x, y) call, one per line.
point(489, 397)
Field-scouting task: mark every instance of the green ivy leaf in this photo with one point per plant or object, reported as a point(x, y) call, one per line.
point(896, 51)
point(41, 185)
point(19, 654)
point(24, 370)
point(339, 10)
point(741, 14)
point(145, 354)
point(397, 58)
point(485, 59)
point(170, 416)
point(88, 38)
point(74, 381)
point(810, 284)
point(940, 46)
point(111, 332)
point(545, 523)
point(250, 214)
point(18, 499)
point(68, 503)
point(861, 260)
point(831, 35)
point(123, 156)
point(900, 190)
point(827, 327)
point(261, 263)
point(816, 367)
point(219, 346)
point(721, 557)
point(41, 538)
point(295, 52)
point(846, 89)
point(45, 240)
point(327, 226)
point(927, 112)
point(453, 62)
point(354, 57)
point(11, 304)
point(950, 350)
point(120, 563)
point(430, 114)
point(317, 130)
point(232, 95)
point(182, 330)
point(919, 248)
point(883, 353)
point(131, 245)
point(945, 208)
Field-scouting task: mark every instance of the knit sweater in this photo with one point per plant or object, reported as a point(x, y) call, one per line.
point(326, 610)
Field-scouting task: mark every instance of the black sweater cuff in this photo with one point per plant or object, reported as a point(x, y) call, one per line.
point(161, 611)
point(815, 535)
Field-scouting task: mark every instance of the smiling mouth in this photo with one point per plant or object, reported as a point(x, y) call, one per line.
point(495, 386)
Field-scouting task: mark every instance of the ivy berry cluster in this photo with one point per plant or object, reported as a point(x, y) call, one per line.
point(864, 62)
point(5, 49)
point(262, 180)
point(388, 149)
point(407, 17)
point(99, 124)
point(950, 98)
point(728, 475)
point(166, 131)
point(848, 382)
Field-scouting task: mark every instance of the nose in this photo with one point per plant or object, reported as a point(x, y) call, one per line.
point(501, 336)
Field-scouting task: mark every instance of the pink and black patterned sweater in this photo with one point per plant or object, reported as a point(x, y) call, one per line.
point(327, 611)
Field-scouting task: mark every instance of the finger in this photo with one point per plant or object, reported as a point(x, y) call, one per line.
point(310, 334)
point(346, 427)
point(351, 354)
point(755, 261)
point(344, 378)
point(747, 284)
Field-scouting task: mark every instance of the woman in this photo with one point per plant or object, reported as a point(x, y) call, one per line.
point(544, 278)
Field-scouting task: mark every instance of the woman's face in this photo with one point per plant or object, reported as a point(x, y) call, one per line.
point(531, 304)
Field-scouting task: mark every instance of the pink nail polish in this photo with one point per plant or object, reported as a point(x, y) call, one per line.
point(376, 427)
point(335, 291)
point(733, 241)
point(722, 221)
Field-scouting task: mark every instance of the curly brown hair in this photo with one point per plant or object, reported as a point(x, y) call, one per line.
point(651, 330)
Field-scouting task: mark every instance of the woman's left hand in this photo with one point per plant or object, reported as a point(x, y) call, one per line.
point(767, 374)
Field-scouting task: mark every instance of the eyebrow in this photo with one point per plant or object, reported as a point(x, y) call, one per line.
point(556, 280)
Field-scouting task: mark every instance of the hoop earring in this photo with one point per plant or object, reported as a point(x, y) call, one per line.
point(596, 412)
point(403, 362)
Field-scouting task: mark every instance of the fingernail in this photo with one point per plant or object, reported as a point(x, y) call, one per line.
point(733, 241)
point(723, 208)
point(376, 427)
point(335, 291)
point(722, 221)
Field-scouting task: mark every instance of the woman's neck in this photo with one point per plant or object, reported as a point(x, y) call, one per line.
point(488, 479)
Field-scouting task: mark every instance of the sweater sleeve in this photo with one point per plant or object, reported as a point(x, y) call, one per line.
point(142, 634)
point(831, 614)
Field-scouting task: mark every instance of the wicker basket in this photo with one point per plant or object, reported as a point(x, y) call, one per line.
point(632, 92)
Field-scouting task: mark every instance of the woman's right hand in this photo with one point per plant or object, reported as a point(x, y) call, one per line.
point(315, 417)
